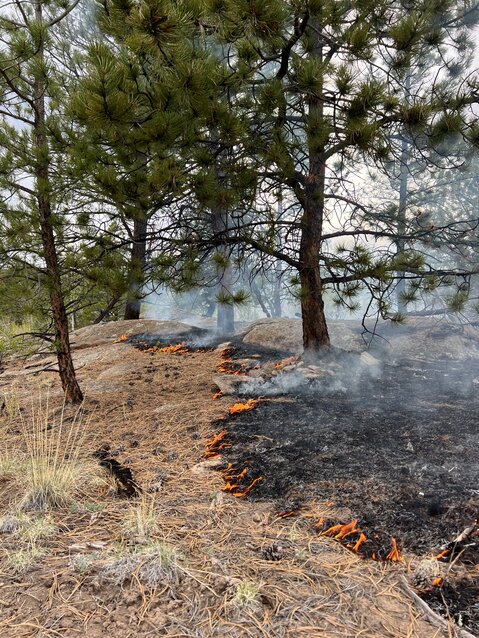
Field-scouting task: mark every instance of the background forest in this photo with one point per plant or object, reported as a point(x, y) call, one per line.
point(208, 157)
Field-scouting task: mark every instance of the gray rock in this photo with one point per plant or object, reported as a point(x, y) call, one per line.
point(229, 383)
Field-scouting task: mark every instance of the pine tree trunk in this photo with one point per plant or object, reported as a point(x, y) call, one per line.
point(402, 208)
point(278, 268)
point(136, 269)
point(73, 393)
point(315, 330)
point(401, 224)
point(225, 321)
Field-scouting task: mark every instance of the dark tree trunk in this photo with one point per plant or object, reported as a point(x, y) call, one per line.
point(402, 209)
point(315, 330)
point(225, 319)
point(136, 269)
point(401, 223)
point(73, 393)
point(278, 268)
point(259, 297)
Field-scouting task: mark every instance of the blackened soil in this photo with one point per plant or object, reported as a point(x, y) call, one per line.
point(459, 601)
point(400, 452)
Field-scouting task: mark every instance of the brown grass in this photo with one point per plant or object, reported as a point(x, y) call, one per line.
point(198, 570)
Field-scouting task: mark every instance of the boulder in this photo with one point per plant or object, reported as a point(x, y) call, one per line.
point(229, 383)
point(275, 334)
point(286, 335)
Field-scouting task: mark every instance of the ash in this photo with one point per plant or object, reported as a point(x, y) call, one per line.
point(396, 445)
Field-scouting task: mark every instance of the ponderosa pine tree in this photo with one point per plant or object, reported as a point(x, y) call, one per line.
point(318, 78)
point(147, 88)
point(29, 98)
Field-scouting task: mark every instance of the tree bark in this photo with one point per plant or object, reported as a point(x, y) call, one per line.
point(136, 269)
point(278, 267)
point(315, 330)
point(225, 321)
point(225, 318)
point(73, 393)
point(402, 208)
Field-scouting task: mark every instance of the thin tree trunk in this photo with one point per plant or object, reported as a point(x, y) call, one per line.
point(73, 393)
point(315, 330)
point(259, 297)
point(402, 209)
point(278, 267)
point(106, 311)
point(136, 269)
point(226, 313)
point(401, 225)
point(225, 319)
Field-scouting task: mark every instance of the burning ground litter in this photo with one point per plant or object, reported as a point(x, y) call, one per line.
point(213, 565)
point(400, 454)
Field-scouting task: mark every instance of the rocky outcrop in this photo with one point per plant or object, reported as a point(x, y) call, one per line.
point(104, 333)
point(286, 334)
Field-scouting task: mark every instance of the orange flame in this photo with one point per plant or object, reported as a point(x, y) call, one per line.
point(394, 555)
point(121, 339)
point(178, 349)
point(285, 362)
point(230, 367)
point(217, 395)
point(341, 531)
point(445, 552)
point(243, 407)
point(215, 445)
point(361, 540)
point(248, 489)
point(233, 479)
point(437, 582)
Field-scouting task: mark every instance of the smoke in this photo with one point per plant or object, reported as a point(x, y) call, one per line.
point(340, 372)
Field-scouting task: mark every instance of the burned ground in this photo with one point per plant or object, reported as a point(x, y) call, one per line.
point(400, 452)
point(156, 413)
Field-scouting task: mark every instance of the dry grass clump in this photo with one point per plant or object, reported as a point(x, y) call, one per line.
point(30, 533)
point(54, 467)
point(33, 531)
point(151, 564)
point(247, 595)
point(10, 465)
point(24, 558)
point(141, 521)
point(11, 404)
point(81, 563)
point(9, 524)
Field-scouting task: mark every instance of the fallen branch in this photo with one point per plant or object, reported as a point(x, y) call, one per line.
point(434, 618)
point(458, 545)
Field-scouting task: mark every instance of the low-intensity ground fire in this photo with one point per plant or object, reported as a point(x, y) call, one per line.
point(216, 444)
point(244, 407)
point(355, 539)
point(236, 481)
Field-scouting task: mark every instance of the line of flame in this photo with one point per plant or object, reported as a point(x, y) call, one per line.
point(340, 532)
point(243, 407)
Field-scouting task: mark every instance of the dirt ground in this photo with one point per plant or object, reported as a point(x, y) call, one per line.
point(184, 558)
